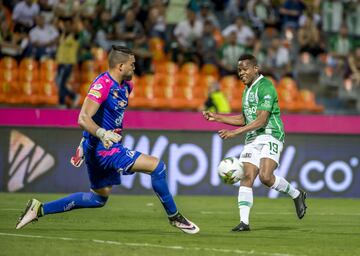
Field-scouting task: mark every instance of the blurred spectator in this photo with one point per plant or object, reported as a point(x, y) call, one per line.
point(261, 14)
point(186, 33)
point(340, 45)
point(105, 34)
point(24, 14)
point(291, 11)
point(309, 38)
point(67, 8)
point(277, 58)
point(66, 58)
point(229, 54)
point(332, 15)
point(87, 8)
point(140, 10)
point(207, 14)
point(112, 6)
point(83, 34)
point(156, 24)
point(244, 34)
point(43, 39)
point(352, 16)
point(236, 8)
point(4, 13)
point(131, 33)
point(216, 101)
point(310, 14)
point(330, 81)
point(353, 72)
point(13, 44)
point(206, 45)
point(46, 9)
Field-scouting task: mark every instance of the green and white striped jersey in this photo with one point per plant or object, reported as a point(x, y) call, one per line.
point(261, 95)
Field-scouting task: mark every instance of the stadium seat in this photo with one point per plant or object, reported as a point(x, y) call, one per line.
point(48, 94)
point(309, 103)
point(143, 92)
point(9, 92)
point(28, 92)
point(157, 45)
point(190, 69)
point(28, 64)
point(228, 82)
point(9, 74)
point(210, 70)
point(8, 63)
point(167, 67)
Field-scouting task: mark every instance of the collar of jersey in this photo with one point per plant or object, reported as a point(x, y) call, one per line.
point(120, 85)
point(257, 80)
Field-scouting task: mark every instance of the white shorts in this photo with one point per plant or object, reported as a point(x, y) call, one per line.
point(264, 146)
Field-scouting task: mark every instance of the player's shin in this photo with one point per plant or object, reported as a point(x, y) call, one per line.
point(75, 201)
point(245, 201)
point(160, 187)
point(284, 186)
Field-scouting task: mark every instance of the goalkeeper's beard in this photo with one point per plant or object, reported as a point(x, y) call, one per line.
point(127, 77)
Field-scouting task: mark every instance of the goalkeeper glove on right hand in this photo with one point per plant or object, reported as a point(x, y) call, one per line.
point(107, 137)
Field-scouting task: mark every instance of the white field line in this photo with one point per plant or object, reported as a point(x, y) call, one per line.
point(142, 245)
point(283, 213)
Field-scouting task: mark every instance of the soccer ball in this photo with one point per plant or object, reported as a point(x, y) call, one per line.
point(231, 170)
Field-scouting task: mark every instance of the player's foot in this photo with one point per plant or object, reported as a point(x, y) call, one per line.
point(241, 227)
point(31, 213)
point(183, 224)
point(300, 204)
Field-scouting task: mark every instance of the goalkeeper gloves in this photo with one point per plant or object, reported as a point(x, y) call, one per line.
point(108, 138)
point(78, 158)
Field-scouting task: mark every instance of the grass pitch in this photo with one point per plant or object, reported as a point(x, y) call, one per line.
point(137, 225)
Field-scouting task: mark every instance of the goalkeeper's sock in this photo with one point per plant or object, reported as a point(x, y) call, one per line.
point(245, 200)
point(160, 187)
point(283, 186)
point(75, 201)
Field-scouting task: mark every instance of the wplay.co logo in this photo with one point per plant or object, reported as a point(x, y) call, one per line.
point(27, 161)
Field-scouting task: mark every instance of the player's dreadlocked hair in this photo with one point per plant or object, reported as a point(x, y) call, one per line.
point(118, 54)
point(249, 57)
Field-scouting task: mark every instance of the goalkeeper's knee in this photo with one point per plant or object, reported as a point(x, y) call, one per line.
point(159, 172)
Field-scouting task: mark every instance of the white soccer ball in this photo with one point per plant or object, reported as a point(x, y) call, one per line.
point(231, 170)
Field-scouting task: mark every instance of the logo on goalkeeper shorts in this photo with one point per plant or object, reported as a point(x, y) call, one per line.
point(27, 161)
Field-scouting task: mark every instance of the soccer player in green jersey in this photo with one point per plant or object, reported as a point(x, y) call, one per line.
point(260, 121)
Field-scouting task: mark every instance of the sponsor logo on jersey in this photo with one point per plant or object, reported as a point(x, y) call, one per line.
point(95, 93)
point(27, 160)
point(97, 86)
point(122, 103)
point(251, 96)
point(115, 94)
point(246, 155)
point(267, 97)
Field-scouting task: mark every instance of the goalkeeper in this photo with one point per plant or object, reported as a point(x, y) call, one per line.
point(101, 117)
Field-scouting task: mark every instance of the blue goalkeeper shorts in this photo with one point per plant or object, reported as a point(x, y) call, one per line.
point(104, 166)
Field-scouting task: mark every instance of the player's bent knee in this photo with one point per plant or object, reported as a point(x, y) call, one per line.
point(159, 172)
point(265, 179)
point(97, 199)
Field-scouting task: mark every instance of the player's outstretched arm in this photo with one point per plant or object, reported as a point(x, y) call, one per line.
point(88, 110)
point(236, 120)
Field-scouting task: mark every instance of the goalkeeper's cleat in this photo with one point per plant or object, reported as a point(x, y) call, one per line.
point(241, 227)
point(183, 224)
point(300, 205)
point(32, 213)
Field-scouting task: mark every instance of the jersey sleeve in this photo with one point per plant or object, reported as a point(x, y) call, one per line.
point(98, 91)
point(267, 96)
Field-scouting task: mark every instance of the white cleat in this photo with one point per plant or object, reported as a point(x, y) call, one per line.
point(182, 223)
point(30, 214)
